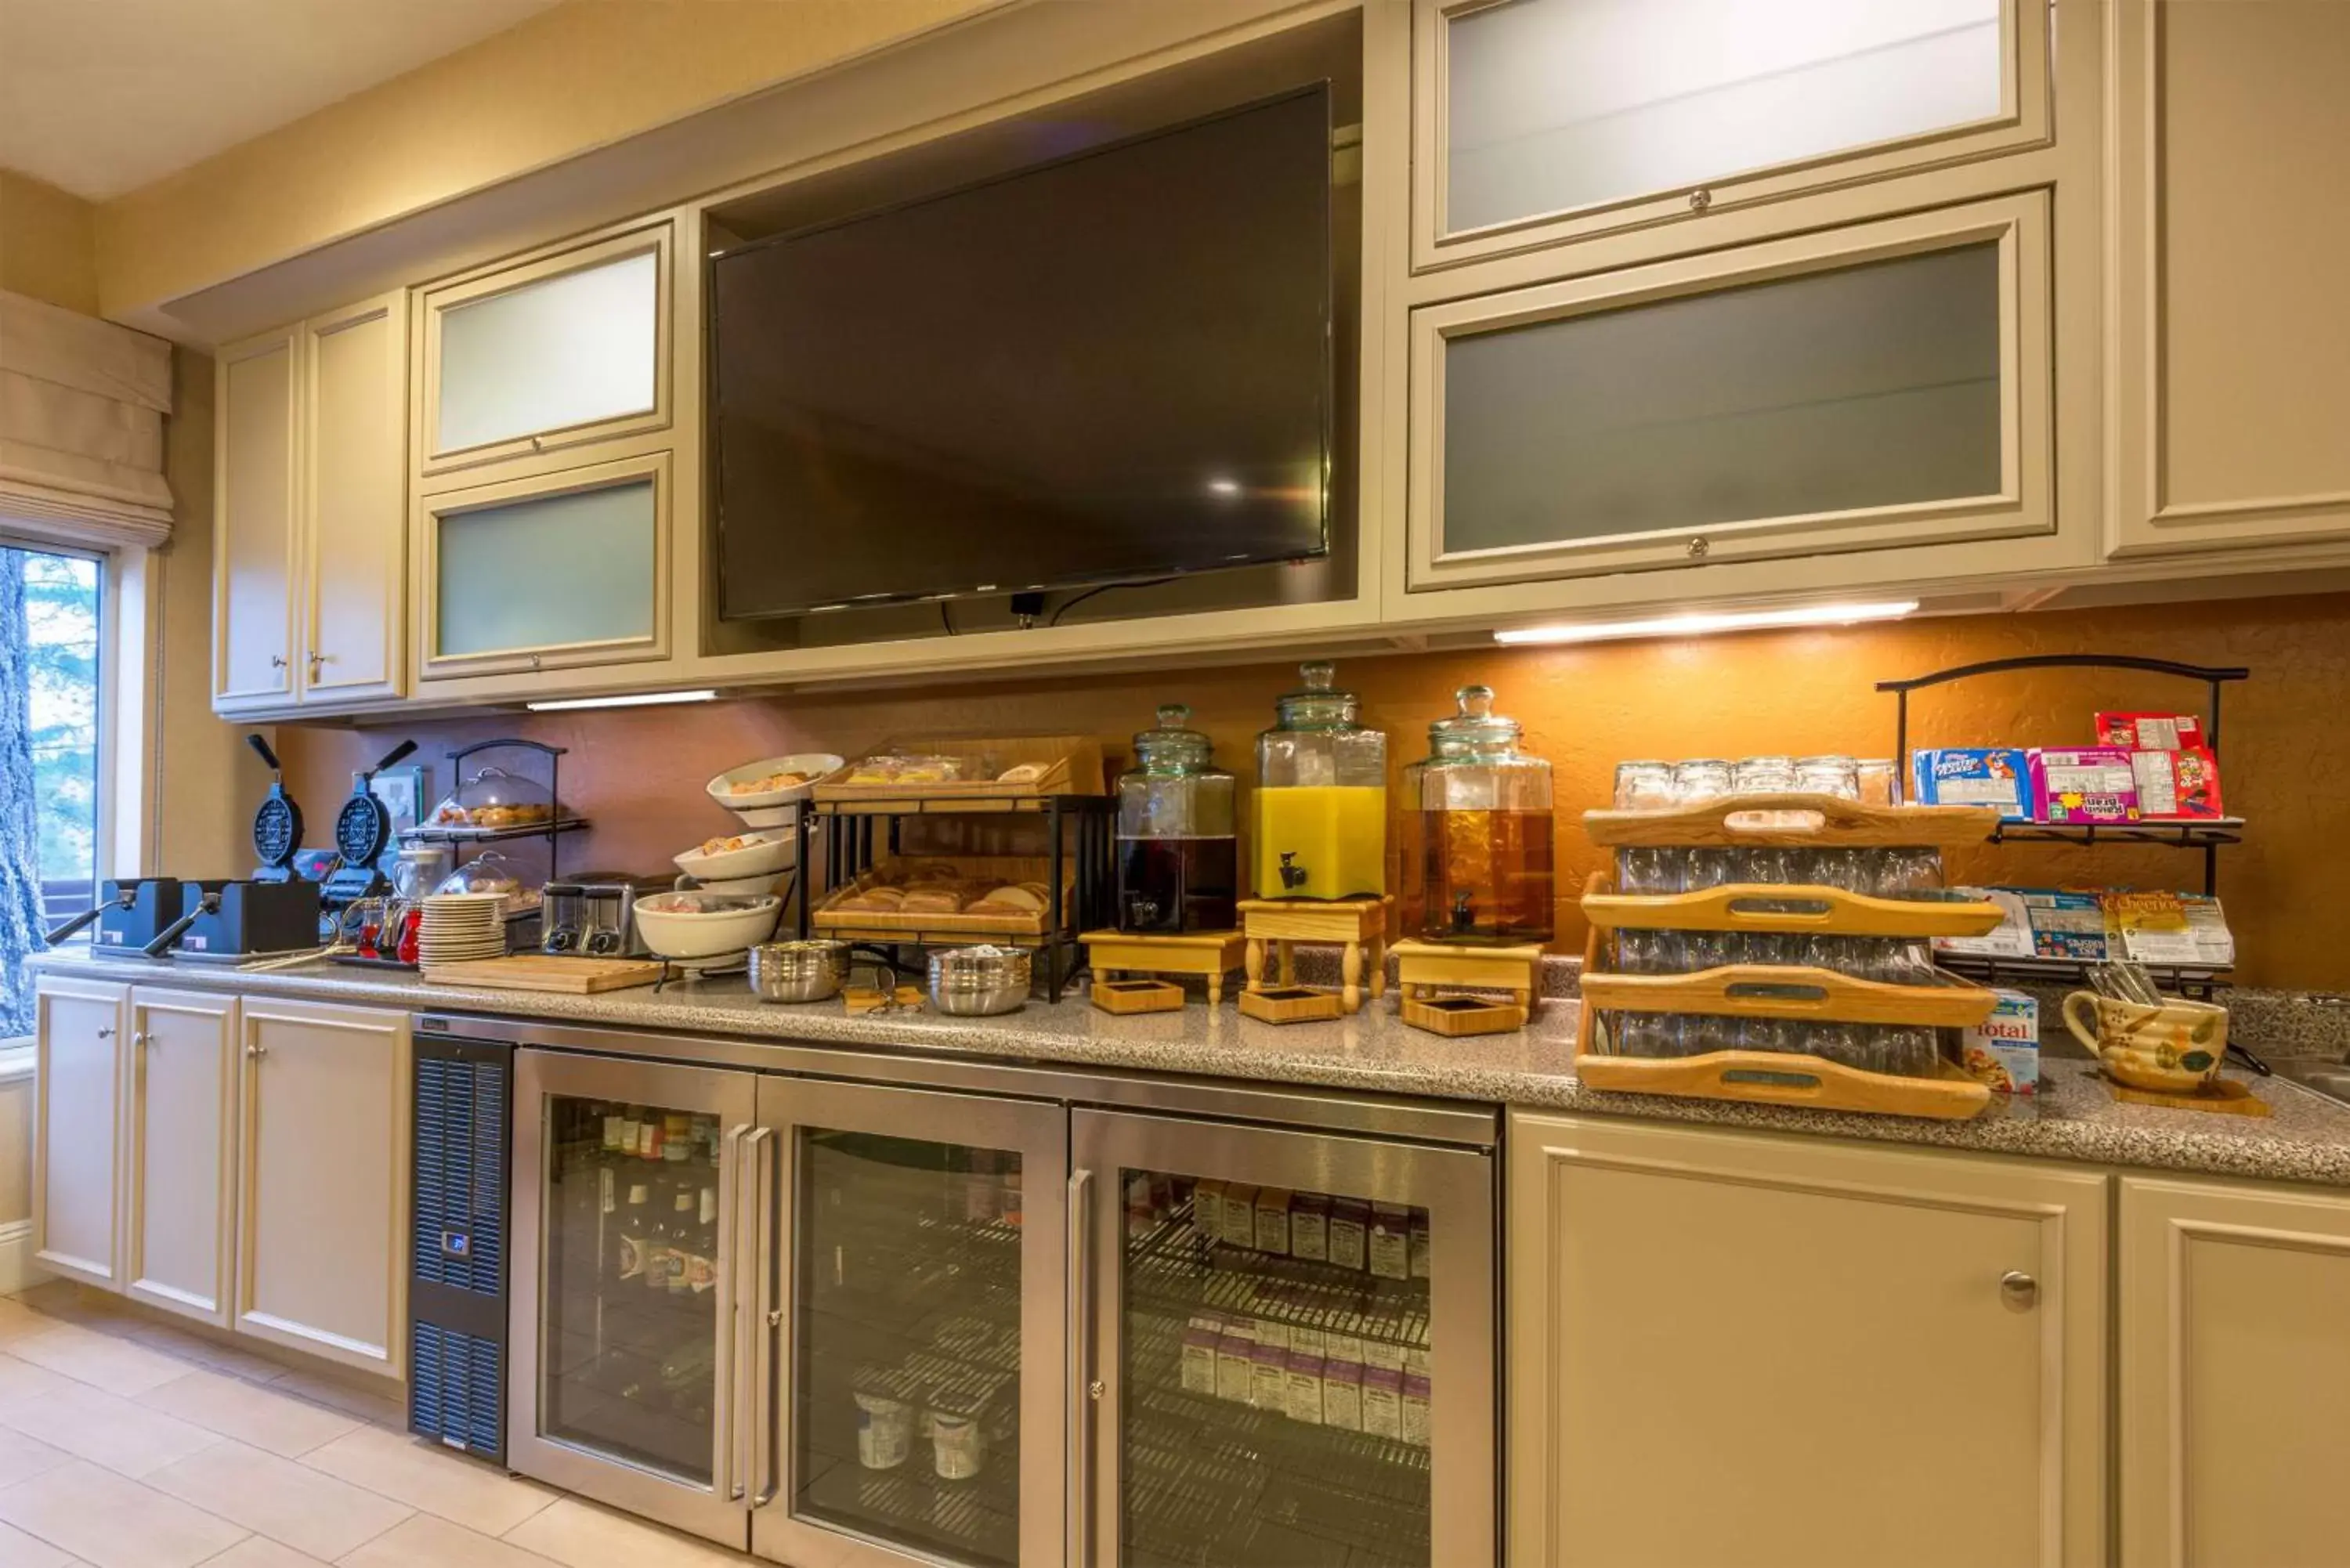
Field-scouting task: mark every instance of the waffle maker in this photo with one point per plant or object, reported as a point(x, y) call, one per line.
point(362, 833)
point(277, 826)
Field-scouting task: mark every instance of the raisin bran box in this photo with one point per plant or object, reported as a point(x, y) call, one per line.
point(2084, 785)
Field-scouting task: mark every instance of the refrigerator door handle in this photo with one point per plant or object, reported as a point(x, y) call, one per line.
point(757, 1361)
point(726, 1479)
point(1078, 1468)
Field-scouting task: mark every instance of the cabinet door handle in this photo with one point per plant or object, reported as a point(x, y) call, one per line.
point(255, 1052)
point(315, 661)
point(140, 1037)
point(2019, 1291)
point(276, 661)
point(106, 1033)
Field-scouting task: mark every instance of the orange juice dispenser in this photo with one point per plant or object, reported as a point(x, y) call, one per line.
point(1321, 797)
point(1477, 832)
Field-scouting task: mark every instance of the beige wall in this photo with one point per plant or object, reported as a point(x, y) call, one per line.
point(206, 782)
point(46, 248)
point(16, 1148)
point(579, 77)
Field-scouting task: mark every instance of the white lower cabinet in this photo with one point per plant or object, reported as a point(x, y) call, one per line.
point(322, 1180)
point(76, 1163)
point(179, 1138)
point(1735, 1349)
point(2235, 1373)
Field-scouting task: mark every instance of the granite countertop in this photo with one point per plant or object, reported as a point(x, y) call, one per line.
point(2306, 1138)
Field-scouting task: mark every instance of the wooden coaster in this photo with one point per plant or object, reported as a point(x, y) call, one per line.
point(860, 998)
point(1124, 996)
point(1291, 1004)
point(1464, 1015)
point(2225, 1096)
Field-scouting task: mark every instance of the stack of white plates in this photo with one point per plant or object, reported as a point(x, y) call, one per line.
point(462, 926)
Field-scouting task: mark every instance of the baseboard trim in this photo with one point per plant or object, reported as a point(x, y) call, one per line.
point(17, 1270)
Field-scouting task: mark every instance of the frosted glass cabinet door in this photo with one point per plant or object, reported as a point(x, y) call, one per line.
point(1569, 117)
point(1883, 385)
point(552, 353)
point(569, 569)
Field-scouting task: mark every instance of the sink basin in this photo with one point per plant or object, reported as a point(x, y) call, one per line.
point(2331, 1079)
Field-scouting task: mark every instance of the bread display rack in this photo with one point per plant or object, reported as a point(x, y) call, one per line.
point(1814, 1000)
point(867, 835)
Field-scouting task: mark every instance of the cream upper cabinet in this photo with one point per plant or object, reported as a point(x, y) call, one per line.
point(179, 1136)
point(1539, 121)
point(354, 601)
point(322, 1180)
point(2227, 233)
point(309, 551)
point(559, 570)
point(77, 1169)
point(1734, 1349)
point(1879, 385)
point(564, 348)
point(2235, 1373)
point(255, 459)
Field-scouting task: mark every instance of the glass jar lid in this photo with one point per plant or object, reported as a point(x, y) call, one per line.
point(1476, 730)
point(1316, 705)
point(1172, 746)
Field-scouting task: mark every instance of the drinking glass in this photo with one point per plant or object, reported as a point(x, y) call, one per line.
point(1650, 871)
point(1644, 1033)
point(1763, 775)
point(1828, 775)
point(1700, 779)
point(1910, 1050)
point(1643, 952)
point(1644, 787)
point(1703, 868)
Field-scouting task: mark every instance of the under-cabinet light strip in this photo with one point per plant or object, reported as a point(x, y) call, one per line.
point(1700, 625)
point(626, 699)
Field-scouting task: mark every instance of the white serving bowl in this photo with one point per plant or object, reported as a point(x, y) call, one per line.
point(771, 808)
point(705, 925)
point(773, 853)
point(747, 886)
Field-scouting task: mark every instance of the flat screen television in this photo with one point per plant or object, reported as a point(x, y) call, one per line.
point(1108, 368)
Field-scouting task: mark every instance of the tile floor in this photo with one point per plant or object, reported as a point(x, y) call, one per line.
point(129, 1443)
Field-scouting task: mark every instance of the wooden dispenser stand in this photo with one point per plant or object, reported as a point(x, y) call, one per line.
point(1426, 970)
point(1359, 925)
point(1208, 955)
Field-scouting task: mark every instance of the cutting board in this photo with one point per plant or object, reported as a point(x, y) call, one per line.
point(548, 972)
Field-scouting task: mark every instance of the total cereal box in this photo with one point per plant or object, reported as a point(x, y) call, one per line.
point(2003, 1050)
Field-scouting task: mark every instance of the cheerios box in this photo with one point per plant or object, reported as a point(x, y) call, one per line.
point(2003, 1050)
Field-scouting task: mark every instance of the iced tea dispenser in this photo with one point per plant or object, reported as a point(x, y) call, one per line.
point(1178, 860)
point(1321, 797)
point(1477, 832)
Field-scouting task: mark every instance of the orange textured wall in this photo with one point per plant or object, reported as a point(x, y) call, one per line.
point(2285, 751)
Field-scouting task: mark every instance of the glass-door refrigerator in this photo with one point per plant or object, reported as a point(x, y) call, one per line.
point(631, 1247)
point(1283, 1340)
point(914, 1399)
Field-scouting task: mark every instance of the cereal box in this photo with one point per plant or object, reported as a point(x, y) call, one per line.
point(2065, 924)
point(2149, 732)
point(1974, 776)
point(2183, 785)
point(2090, 785)
point(2003, 1050)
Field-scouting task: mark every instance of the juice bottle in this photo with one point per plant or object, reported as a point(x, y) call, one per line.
point(1321, 797)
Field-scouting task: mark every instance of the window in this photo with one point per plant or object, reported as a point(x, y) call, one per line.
point(49, 757)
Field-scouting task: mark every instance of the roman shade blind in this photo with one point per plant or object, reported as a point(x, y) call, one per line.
point(81, 427)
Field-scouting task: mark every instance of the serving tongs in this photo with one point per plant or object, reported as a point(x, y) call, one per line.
point(2124, 980)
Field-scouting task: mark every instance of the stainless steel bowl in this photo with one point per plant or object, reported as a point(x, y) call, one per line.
point(799, 971)
point(979, 983)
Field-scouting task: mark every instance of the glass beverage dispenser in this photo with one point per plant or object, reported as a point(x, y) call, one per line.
point(1321, 797)
point(1477, 853)
point(1178, 860)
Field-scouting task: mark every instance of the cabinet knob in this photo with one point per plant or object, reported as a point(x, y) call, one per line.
point(106, 1033)
point(1700, 199)
point(140, 1037)
point(255, 1052)
point(276, 661)
point(315, 661)
point(2019, 1291)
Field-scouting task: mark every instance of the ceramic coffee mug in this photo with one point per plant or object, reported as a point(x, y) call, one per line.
point(2176, 1048)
